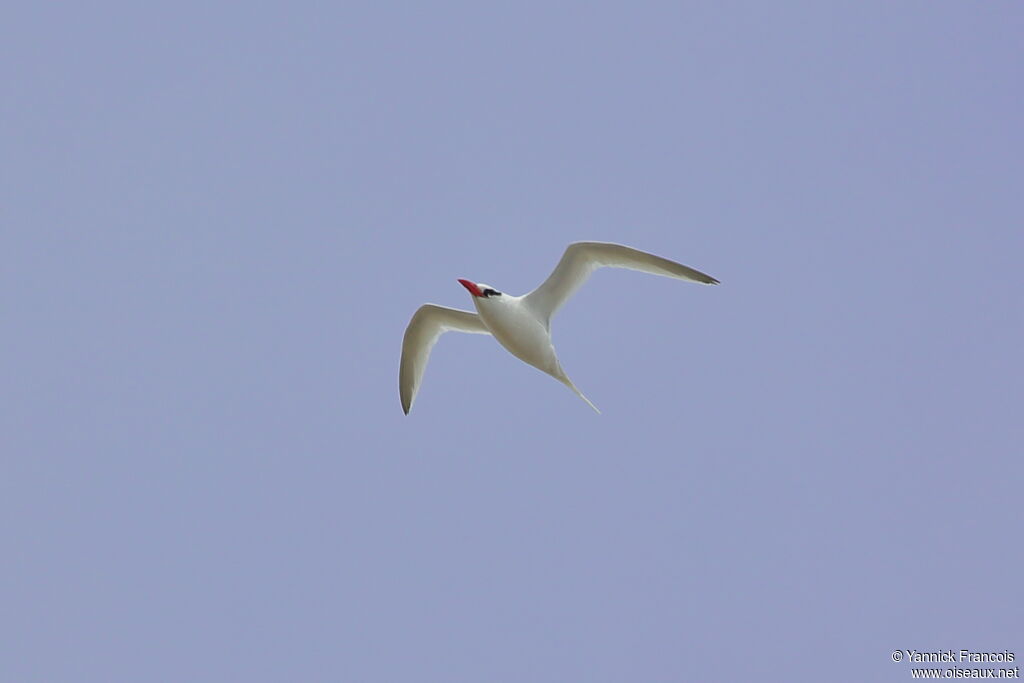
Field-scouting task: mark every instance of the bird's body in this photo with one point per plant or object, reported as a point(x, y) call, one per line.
point(516, 327)
point(519, 328)
point(522, 324)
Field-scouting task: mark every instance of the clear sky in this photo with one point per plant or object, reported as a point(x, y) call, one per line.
point(217, 218)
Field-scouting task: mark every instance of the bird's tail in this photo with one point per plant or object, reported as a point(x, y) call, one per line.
point(564, 379)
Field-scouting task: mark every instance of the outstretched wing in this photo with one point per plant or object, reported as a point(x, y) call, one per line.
point(428, 323)
point(583, 258)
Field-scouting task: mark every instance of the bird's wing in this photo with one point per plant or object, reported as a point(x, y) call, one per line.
point(582, 258)
point(428, 323)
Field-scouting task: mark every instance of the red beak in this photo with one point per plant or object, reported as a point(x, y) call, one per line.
point(471, 286)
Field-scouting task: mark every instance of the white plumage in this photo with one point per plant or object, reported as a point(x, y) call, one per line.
point(522, 324)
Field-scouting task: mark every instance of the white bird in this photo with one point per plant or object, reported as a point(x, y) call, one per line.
point(522, 324)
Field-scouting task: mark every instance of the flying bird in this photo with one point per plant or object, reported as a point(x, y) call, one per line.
point(522, 324)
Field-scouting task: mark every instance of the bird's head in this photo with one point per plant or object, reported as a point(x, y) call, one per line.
point(479, 290)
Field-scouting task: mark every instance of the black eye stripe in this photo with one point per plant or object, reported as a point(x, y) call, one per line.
point(491, 292)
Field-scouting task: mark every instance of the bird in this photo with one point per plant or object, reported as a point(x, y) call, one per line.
point(522, 324)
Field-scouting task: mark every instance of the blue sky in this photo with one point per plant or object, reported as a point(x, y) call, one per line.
point(217, 221)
